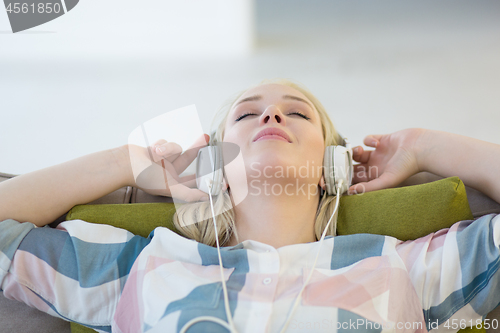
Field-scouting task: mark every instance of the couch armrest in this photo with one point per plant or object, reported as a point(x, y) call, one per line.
point(139, 196)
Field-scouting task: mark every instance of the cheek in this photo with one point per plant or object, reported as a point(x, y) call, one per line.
point(315, 148)
point(228, 133)
point(232, 136)
point(238, 133)
point(315, 140)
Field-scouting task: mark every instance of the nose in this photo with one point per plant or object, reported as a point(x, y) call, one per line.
point(272, 114)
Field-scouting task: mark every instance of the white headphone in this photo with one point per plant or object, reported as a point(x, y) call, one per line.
point(209, 169)
point(337, 164)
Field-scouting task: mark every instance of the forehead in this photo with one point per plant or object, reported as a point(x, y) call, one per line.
point(271, 92)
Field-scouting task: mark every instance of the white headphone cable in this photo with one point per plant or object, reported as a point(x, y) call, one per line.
point(299, 296)
point(230, 324)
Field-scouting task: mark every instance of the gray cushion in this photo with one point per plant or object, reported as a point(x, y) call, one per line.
point(19, 318)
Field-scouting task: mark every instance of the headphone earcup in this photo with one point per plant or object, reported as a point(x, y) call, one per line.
point(209, 167)
point(337, 164)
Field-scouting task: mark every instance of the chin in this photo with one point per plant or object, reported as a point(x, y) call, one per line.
point(268, 166)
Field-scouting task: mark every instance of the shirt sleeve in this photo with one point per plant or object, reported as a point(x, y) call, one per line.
point(455, 271)
point(76, 271)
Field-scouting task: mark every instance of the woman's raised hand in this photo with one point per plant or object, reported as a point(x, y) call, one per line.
point(394, 159)
point(156, 169)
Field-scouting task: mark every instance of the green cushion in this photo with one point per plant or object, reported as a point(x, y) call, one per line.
point(405, 213)
point(139, 218)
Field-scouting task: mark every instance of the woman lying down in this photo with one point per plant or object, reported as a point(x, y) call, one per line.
point(273, 264)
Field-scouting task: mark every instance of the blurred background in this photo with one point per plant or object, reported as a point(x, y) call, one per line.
point(82, 82)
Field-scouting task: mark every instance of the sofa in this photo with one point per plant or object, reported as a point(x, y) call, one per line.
point(16, 317)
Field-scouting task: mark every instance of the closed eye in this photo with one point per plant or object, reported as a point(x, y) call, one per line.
point(295, 113)
point(301, 115)
point(244, 115)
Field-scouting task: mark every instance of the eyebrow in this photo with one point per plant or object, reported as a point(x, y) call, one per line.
point(297, 99)
point(250, 99)
point(259, 97)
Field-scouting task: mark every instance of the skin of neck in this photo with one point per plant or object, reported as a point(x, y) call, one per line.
point(277, 219)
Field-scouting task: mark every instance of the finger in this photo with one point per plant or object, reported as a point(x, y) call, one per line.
point(201, 141)
point(154, 153)
point(359, 173)
point(372, 140)
point(189, 181)
point(386, 180)
point(181, 191)
point(362, 157)
point(169, 172)
point(169, 151)
point(206, 138)
point(187, 194)
point(159, 142)
point(357, 151)
point(184, 160)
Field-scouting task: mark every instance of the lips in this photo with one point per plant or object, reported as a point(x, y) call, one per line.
point(272, 131)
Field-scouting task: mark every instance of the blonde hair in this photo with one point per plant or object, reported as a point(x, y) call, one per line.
point(203, 231)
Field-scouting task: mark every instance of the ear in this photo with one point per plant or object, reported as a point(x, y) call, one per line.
point(322, 183)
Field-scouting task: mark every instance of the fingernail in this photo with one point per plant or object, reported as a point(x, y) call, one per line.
point(356, 150)
point(161, 150)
